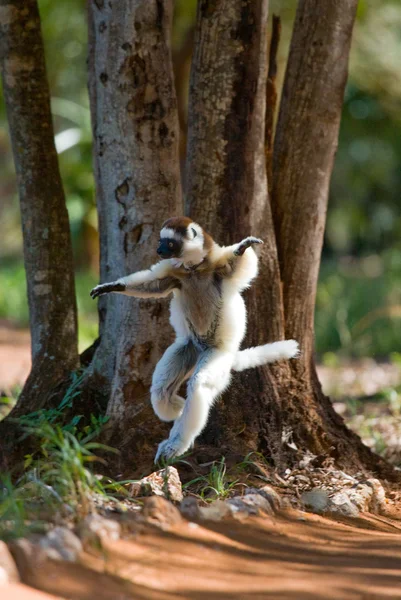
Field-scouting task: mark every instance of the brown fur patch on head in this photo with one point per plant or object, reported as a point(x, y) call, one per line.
point(178, 224)
point(207, 241)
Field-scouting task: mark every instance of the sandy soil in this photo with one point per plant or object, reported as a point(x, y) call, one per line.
point(15, 356)
point(293, 556)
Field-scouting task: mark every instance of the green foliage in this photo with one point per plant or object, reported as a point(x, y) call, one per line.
point(63, 466)
point(14, 303)
point(217, 484)
point(358, 309)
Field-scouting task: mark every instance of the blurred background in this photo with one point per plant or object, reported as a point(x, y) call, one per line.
point(358, 316)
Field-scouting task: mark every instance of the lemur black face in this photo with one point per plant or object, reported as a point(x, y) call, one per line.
point(169, 248)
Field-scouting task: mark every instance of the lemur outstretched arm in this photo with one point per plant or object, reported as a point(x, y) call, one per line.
point(225, 253)
point(155, 282)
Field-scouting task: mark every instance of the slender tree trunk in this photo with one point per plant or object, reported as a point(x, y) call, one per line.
point(47, 244)
point(227, 194)
point(136, 136)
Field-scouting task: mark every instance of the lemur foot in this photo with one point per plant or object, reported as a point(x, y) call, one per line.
point(171, 448)
point(246, 243)
point(106, 288)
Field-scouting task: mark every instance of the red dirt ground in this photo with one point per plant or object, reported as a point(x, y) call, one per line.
point(294, 556)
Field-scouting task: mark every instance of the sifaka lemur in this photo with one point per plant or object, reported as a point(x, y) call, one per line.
point(208, 315)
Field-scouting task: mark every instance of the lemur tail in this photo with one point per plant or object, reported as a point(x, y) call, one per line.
point(260, 355)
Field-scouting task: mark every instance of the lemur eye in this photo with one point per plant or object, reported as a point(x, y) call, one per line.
point(194, 232)
point(170, 244)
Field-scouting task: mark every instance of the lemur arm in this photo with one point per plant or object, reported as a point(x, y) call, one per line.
point(227, 256)
point(156, 282)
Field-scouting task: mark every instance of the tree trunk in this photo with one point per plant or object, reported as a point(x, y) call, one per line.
point(304, 151)
point(47, 244)
point(136, 136)
point(227, 194)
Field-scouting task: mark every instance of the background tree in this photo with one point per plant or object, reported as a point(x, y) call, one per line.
point(136, 138)
point(47, 244)
point(135, 129)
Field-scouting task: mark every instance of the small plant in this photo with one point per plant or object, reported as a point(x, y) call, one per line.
point(12, 511)
point(215, 485)
point(62, 466)
point(54, 415)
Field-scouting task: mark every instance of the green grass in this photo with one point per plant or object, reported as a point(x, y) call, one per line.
point(217, 484)
point(59, 481)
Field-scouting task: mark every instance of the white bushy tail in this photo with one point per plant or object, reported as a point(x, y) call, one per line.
point(268, 353)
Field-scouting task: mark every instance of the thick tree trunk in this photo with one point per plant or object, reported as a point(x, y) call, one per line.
point(227, 194)
point(305, 146)
point(136, 136)
point(47, 244)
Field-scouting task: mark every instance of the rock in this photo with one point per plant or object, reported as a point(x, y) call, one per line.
point(251, 504)
point(272, 496)
point(316, 500)
point(361, 496)
point(340, 504)
point(189, 509)
point(94, 530)
point(29, 559)
point(165, 482)
point(61, 544)
point(378, 499)
point(8, 568)
point(160, 512)
point(216, 511)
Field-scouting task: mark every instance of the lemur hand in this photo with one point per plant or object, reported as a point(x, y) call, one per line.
point(246, 243)
point(106, 288)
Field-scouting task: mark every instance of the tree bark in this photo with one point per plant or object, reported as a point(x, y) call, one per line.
point(136, 136)
point(305, 145)
point(46, 234)
point(227, 194)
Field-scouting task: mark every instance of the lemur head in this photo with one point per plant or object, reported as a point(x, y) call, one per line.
point(183, 240)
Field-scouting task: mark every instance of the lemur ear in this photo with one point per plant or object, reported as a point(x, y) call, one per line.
point(194, 232)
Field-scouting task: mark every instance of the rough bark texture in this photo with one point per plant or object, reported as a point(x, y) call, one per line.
point(305, 146)
point(47, 244)
point(135, 127)
point(271, 99)
point(227, 194)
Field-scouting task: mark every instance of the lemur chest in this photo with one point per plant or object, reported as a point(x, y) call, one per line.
point(201, 300)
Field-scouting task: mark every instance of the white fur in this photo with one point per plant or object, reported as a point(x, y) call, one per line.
point(208, 369)
point(193, 251)
point(261, 355)
point(169, 233)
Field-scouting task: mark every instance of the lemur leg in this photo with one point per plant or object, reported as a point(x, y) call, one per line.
point(210, 379)
point(171, 371)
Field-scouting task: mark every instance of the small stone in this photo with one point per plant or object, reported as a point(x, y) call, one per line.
point(316, 500)
point(340, 504)
point(216, 511)
point(361, 496)
point(160, 512)
point(189, 508)
point(269, 493)
point(61, 544)
point(95, 529)
point(165, 482)
point(8, 568)
point(378, 500)
point(256, 504)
